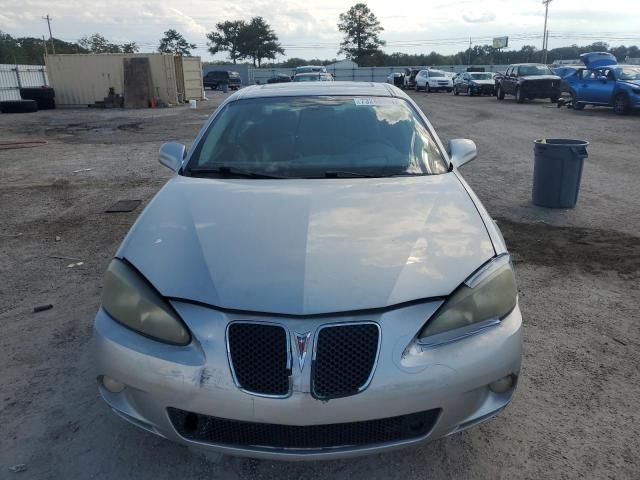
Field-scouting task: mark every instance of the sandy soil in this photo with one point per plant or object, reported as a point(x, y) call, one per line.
point(575, 414)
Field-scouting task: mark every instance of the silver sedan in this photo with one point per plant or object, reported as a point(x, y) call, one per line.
point(316, 281)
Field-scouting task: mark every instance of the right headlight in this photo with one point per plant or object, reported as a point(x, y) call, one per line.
point(131, 300)
point(489, 294)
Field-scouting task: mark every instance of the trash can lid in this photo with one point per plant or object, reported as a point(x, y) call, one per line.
point(561, 142)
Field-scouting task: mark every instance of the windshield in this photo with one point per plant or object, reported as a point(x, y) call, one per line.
point(306, 78)
point(436, 73)
point(481, 76)
point(534, 70)
point(315, 137)
point(310, 69)
point(628, 73)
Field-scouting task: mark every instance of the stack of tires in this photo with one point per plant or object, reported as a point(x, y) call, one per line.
point(43, 96)
point(33, 99)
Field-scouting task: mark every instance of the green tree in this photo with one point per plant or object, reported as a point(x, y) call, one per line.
point(30, 50)
point(96, 43)
point(361, 28)
point(229, 37)
point(173, 42)
point(259, 41)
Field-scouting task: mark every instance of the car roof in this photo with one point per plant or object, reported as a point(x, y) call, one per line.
point(527, 64)
point(319, 88)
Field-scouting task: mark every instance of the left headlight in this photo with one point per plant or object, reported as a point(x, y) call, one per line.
point(130, 300)
point(489, 294)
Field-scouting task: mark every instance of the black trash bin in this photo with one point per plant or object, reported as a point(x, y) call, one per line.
point(557, 172)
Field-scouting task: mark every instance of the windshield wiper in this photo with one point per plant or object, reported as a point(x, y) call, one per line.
point(226, 171)
point(341, 173)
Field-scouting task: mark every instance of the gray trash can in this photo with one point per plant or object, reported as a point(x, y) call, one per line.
point(557, 172)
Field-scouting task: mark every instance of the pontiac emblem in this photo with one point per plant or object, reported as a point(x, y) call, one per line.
point(301, 343)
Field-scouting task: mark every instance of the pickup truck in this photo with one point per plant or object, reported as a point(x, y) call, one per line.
point(528, 81)
point(216, 78)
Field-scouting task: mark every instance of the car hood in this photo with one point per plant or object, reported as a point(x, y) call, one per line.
point(530, 78)
point(483, 82)
point(305, 247)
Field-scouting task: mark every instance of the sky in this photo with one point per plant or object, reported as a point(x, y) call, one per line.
point(307, 28)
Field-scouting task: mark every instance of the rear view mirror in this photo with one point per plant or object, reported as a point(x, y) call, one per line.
point(172, 154)
point(461, 151)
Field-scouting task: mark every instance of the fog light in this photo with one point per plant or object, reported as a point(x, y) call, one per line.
point(112, 385)
point(503, 385)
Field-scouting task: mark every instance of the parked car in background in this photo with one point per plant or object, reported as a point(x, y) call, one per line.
point(474, 83)
point(603, 82)
point(279, 78)
point(313, 77)
point(316, 281)
point(310, 69)
point(396, 79)
point(433, 80)
point(528, 81)
point(410, 77)
point(216, 78)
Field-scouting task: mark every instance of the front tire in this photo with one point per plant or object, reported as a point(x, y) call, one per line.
point(621, 104)
point(575, 104)
point(455, 91)
point(519, 96)
point(554, 99)
point(500, 93)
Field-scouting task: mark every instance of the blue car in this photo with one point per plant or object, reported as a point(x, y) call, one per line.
point(603, 82)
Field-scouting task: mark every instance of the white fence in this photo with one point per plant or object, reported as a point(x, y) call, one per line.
point(13, 77)
point(362, 74)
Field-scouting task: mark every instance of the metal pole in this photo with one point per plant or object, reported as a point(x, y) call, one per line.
point(48, 19)
point(544, 32)
point(469, 62)
point(546, 47)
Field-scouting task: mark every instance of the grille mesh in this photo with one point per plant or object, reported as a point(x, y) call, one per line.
point(345, 357)
point(258, 355)
point(220, 431)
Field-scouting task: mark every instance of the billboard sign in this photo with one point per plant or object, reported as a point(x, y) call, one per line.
point(501, 42)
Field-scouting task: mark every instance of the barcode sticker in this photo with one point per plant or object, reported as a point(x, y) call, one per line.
point(364, 101)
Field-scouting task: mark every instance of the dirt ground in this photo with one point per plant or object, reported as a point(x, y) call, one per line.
point(575, 414)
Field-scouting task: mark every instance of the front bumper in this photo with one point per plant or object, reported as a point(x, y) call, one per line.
point(408, 378)
point(483, 89)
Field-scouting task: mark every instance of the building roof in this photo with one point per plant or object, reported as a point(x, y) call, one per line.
point(295, 89)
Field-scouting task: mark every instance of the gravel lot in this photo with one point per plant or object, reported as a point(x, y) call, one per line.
point(575, 414)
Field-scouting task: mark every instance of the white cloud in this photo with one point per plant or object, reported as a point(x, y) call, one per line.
point(308, 29)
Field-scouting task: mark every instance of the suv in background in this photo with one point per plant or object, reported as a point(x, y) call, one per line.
point(216, 78)
point(309, 69)
point(528, 80)
point(313, 77)
point(410, 77)
point(433, 80)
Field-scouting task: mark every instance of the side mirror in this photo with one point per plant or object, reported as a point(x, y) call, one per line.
point(602, 79)
point(462, 151)
point(172, 154)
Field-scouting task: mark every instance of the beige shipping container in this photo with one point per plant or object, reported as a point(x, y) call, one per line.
point(83, 79)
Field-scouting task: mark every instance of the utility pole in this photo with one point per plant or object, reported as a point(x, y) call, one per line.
point(48, 19)
point(469, 61)
point(544, 33)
